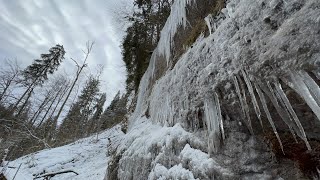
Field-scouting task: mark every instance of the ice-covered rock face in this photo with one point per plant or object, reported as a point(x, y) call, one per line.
point(251, 75)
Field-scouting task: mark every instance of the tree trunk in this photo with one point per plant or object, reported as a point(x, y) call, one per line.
point(59, 100)
point(80, 68)
point(25, 102)
point(40, 109)
point(69, 93)
point(8, 83)
point(23, 95)
point(50, 106)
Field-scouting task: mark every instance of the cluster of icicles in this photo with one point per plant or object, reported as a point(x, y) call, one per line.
point(300, 81)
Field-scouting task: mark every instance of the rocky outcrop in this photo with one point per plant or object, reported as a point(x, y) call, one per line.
point(244, 99)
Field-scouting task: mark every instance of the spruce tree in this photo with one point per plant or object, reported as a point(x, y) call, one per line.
point(36, 73)
point(74, 125)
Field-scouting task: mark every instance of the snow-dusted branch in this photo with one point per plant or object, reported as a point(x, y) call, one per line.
point(50, 175)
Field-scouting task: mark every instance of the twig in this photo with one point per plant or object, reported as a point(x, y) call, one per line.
point(17, 172)
point(55, 173)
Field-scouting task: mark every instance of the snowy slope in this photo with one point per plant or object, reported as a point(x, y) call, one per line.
point(87, 156)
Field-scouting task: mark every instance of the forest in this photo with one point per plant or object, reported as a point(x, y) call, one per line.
point(43, 108)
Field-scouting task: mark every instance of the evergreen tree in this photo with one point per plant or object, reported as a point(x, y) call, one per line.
point(37, 73)
point(74, 125)
point(95, 123)
point(115, 113)
point(142, 37)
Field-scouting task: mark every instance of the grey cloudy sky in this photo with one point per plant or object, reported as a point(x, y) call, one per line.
point(30, 27)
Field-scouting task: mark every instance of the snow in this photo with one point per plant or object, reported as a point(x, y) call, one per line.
point(201, 161)
point(252, 44)
point(86, 157)
point(177, 123)
point(176, 172)
point(164, 153)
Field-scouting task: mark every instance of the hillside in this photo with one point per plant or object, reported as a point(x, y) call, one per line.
point(88, 157)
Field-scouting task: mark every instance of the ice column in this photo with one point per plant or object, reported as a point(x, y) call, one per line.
point(214, 122)
point(243, 103)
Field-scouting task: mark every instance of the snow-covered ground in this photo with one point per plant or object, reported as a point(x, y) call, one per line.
point(87, 156)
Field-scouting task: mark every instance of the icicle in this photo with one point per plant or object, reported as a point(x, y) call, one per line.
point(254, 100)
point(244, 105)
point(296, 83)
point(214, 122)
point(177, 18)
point(209, 22)
point(266, 110)
point(317, 74)
point(313, 86)
point(292, 113)
point(219, 114)
point(285, 116)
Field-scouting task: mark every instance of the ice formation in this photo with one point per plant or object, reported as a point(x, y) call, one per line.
point(309, 93)
point(252, 95)
point(209, 22)
point(178, 17)
point(288, 106)
point(243, 103)
point(214, 122)
point(266, 110)
point(252, 45)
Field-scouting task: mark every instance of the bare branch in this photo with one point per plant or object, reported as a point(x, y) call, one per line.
point(50, 175)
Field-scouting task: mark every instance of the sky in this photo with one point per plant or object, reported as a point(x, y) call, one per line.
point(30, 27)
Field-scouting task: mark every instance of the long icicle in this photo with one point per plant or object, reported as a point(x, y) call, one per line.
point(212, 121)
point(283, 113)
point(313, 86)
point(242, 103)
point(219, 115)
point(296, 83)
point(291, 111)
point(293, 129)
point(254, 100)
point(317, 74)
point(246, 105)
point(266, 110)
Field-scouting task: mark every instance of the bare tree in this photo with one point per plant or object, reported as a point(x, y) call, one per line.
point(79, 70)
point(63, 86)
point(8, 75)
point(50, 94)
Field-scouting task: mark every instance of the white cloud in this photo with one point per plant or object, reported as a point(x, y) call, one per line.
point(29, 28)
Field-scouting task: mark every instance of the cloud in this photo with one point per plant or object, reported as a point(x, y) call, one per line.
point(29, 28)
